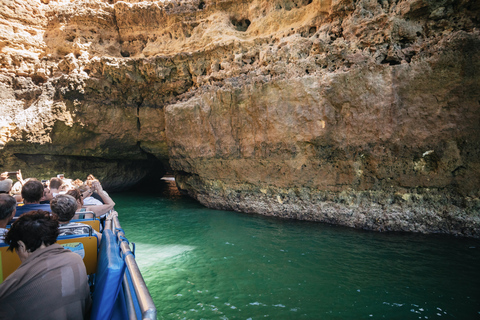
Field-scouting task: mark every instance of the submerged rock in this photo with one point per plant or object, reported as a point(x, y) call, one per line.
point(360, 113)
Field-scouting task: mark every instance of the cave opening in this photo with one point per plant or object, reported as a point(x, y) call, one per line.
point(114, 174)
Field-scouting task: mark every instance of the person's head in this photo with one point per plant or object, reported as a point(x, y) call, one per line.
point(55, 183)
point(64, 206)
point(32, 191)
point(8, 206)
point(86, 191)
point(31, 230)
point(6, 185)
point(77, 195)
point(83, 188)
point(47, 194)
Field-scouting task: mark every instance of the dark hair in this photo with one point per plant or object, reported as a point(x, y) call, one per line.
point(75, 193)
point(64, 206)
point(55, 183)
point(34, 228)
point(7, 205)
point(32, 191)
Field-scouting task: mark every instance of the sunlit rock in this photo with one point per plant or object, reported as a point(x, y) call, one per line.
point(360, 113)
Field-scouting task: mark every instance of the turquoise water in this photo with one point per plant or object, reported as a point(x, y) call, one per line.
point(207, 264)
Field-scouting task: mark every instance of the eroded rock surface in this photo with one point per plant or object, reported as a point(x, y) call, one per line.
point(360, 113)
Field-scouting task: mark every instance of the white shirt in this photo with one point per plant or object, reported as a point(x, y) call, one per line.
point(89, 201)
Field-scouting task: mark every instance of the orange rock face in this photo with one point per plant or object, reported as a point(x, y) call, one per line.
point(361, 113)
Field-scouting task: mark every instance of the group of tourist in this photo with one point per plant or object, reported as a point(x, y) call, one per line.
point(51, 282)
point(32, 194)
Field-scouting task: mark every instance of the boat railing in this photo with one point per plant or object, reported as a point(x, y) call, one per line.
point(145, 301)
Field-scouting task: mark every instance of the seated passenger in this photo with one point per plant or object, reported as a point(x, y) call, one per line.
point(6, 186)
point(51, 282)
point(7, 212)
point(55, 184)
point(16, 189)
point(90, 198)
point(47, 194)
point(32, 193)
point(78, 198)
point(88, 183)
point(100, 210)
point(64, 207)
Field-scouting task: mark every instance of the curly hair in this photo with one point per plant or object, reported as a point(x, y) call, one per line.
point(34, 228)
point(64, 206)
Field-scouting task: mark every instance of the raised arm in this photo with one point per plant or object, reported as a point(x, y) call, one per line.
point(20, 177)
point(108, 205)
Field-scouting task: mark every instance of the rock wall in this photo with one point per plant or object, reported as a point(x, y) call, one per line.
point(360, 113)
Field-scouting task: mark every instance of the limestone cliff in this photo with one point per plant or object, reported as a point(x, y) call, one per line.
point(361, 113)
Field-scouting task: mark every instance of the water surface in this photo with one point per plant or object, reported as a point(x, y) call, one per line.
point(208, 264)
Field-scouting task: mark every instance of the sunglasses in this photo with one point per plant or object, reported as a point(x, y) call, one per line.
point(87, 194)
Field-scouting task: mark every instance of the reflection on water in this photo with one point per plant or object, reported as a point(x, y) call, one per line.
point(207, 264)
point(159, 253)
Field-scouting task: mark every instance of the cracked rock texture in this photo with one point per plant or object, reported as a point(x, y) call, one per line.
point(355, 112)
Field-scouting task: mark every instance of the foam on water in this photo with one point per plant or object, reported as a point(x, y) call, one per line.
point(148, 254)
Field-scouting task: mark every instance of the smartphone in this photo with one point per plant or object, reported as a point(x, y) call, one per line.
point(12, 173)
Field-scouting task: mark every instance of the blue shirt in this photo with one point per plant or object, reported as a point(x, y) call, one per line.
point(30, 207)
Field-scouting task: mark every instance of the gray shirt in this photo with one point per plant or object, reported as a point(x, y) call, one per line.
point(50, 284)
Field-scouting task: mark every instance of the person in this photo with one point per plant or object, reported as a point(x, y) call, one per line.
point(90, 198)
point(7, 212)
point(32, 193)
point(51, 282)
point(47, 194)
point(17, 186)
point(75, 193)
point(95, 195)
point(100, 209)
point(6, 185)
point(65, 206)
point(55, 184)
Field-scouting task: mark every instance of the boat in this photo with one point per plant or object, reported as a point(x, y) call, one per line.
point(118, 288)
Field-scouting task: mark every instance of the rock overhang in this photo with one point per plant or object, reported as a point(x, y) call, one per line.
point(315, 110)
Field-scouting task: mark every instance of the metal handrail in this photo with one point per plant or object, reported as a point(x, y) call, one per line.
point(128, 298)
point(147, 307)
